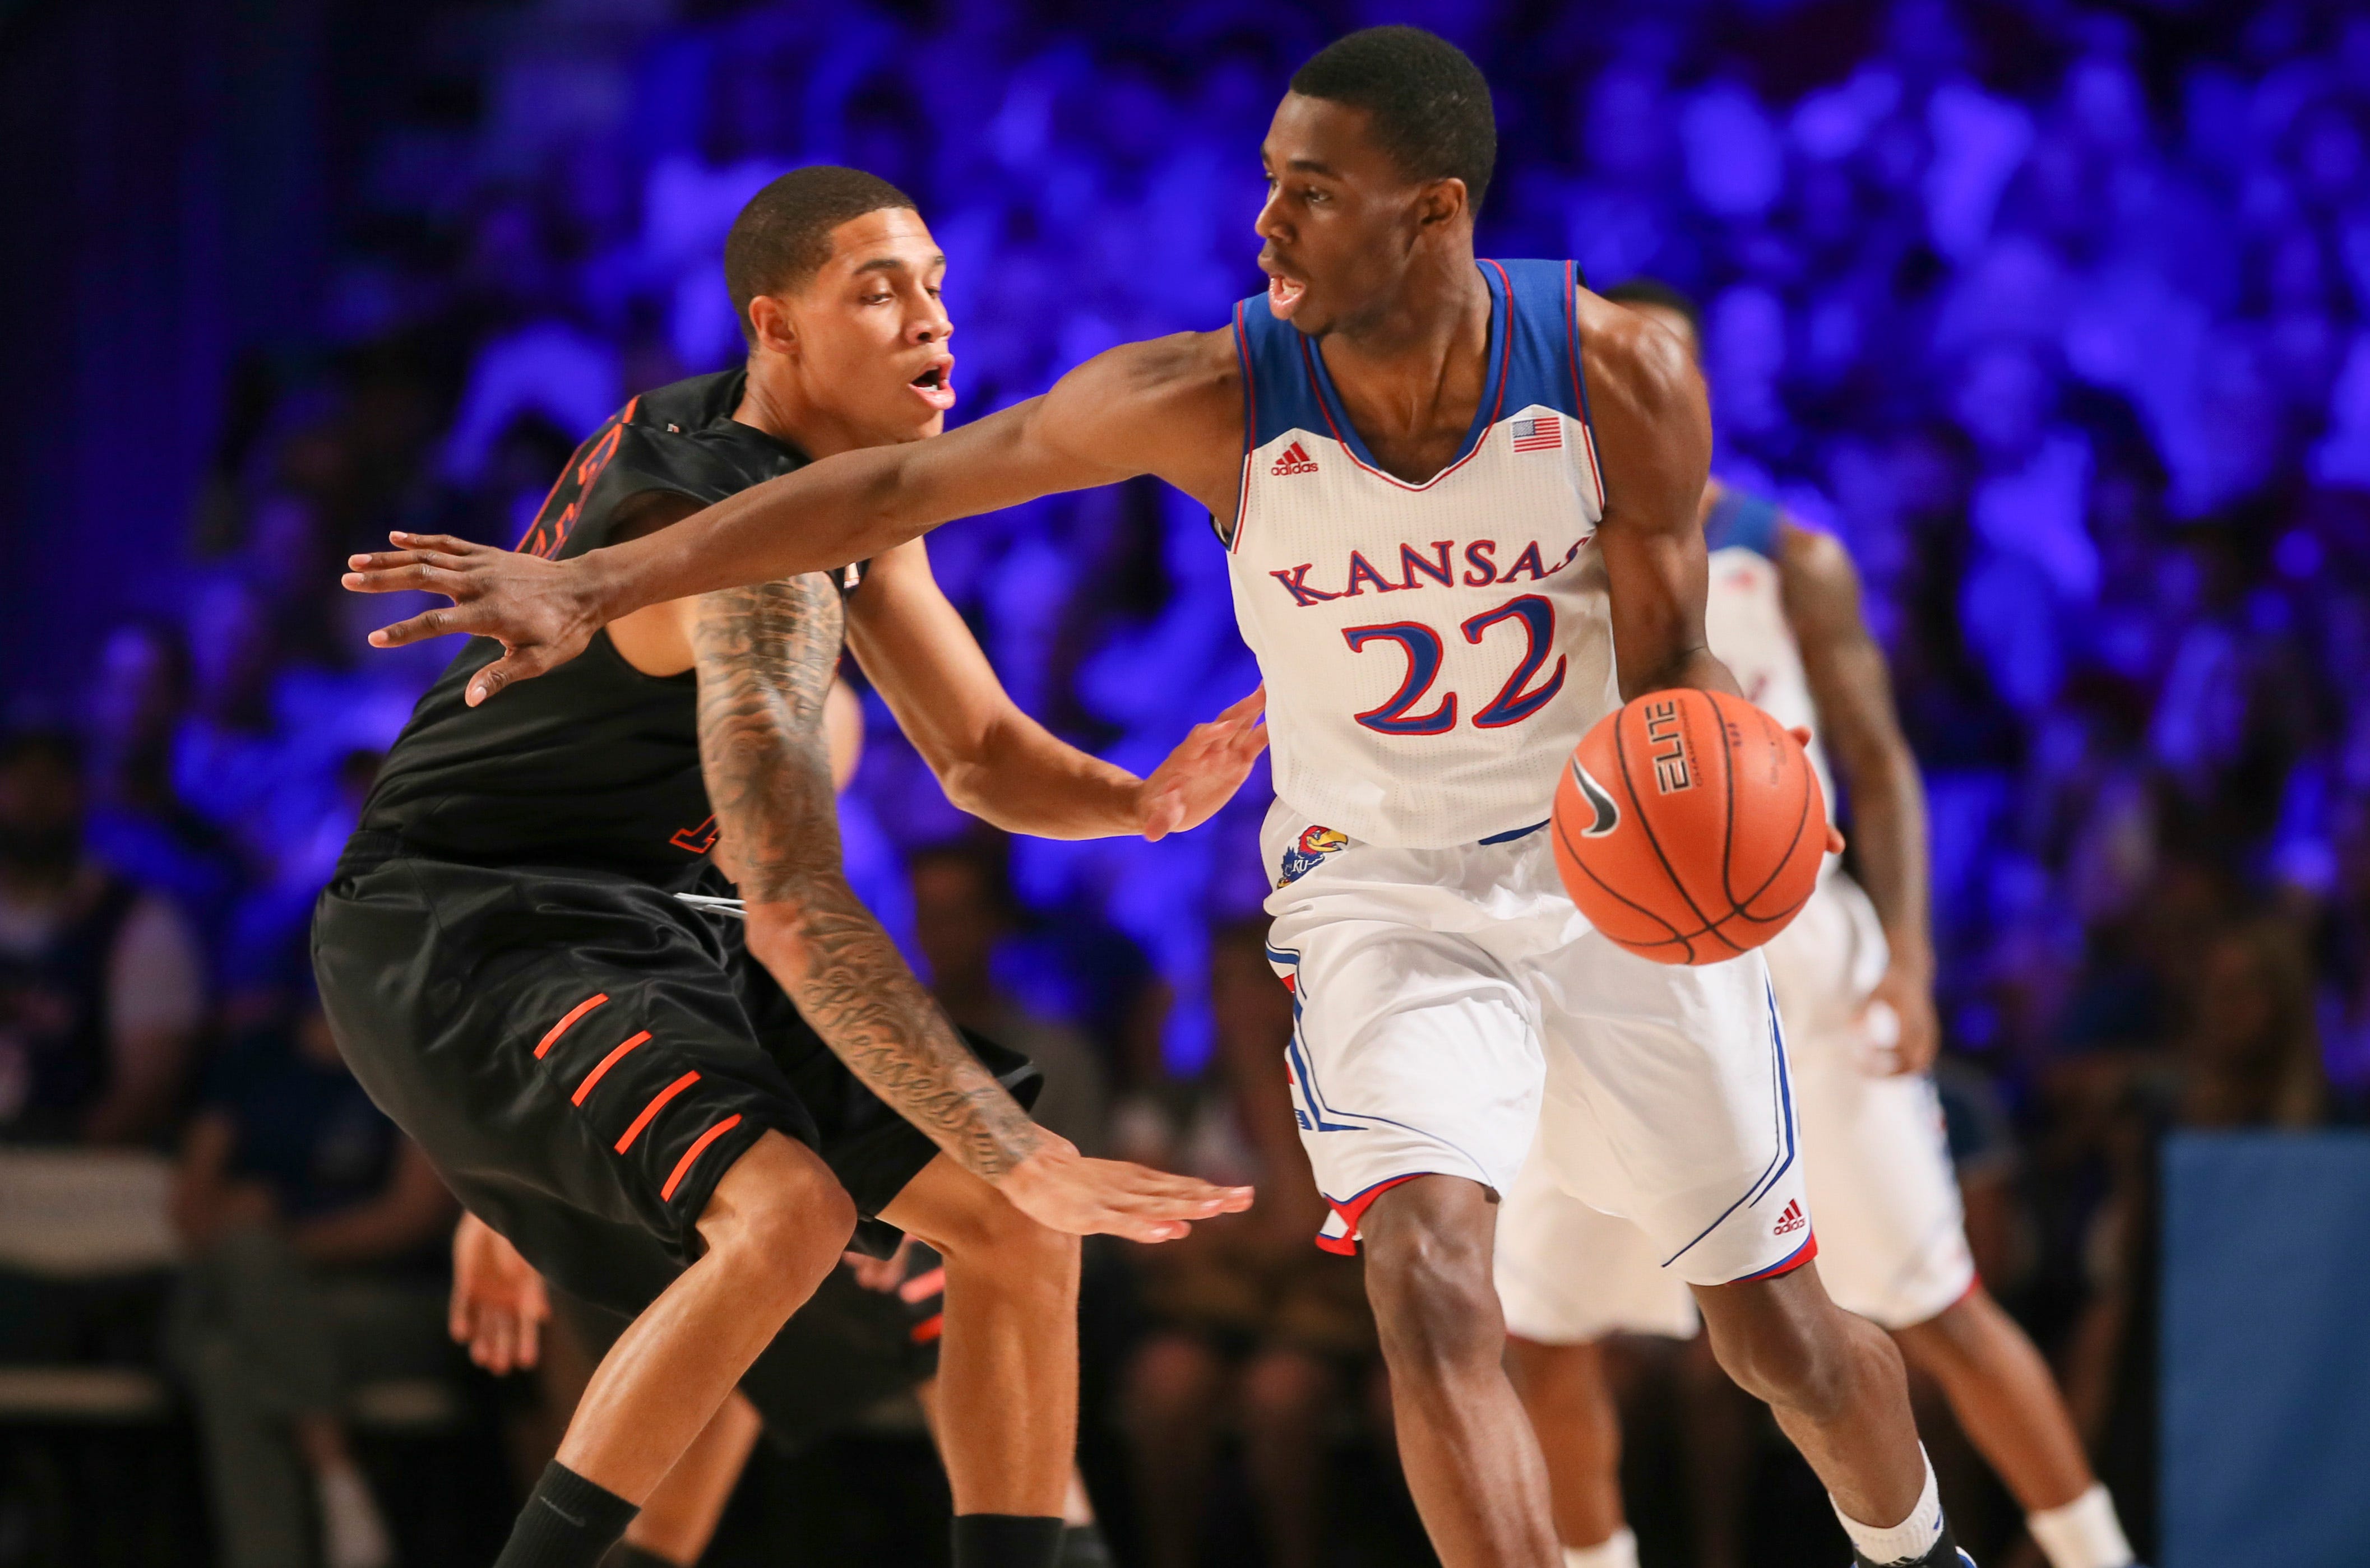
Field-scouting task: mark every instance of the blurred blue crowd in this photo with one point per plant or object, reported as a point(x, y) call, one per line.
point(2058, 316)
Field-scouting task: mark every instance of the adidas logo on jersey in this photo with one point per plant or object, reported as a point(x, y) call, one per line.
point(1295, 460)
point(1789, 1222)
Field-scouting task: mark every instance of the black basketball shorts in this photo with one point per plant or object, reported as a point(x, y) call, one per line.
point(582, 1057)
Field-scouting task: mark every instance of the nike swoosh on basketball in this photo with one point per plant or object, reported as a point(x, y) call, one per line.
point(1608, 815)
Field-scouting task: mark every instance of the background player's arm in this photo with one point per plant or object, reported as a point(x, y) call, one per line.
point(1852, 691)
point(1653, 439)
point(1172, 407)
point(765, 657)
point(996, 762)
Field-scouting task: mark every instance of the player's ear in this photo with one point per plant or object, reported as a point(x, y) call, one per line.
point(1440, 202)
point(769, 324)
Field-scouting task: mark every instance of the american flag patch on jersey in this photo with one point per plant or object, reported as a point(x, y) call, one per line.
point(1539, 434)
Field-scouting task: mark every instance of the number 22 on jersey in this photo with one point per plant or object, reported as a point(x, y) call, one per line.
point(1517, 700)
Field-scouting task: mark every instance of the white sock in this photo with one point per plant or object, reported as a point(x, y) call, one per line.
point(1910, 1539)
point(1618, 1550)
point(352, 1533)
point(2084, 1533)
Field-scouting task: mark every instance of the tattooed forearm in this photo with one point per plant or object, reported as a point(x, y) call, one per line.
point(765, 656)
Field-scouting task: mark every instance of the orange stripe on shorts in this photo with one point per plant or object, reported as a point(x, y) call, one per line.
point(606, 1063)
point(658, 1103)
point(691, 1155)
point(565, 1024)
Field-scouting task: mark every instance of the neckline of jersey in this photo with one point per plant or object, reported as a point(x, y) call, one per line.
point(1485, 412)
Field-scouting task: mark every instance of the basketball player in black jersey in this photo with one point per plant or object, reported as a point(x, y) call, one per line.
point(678, 1109)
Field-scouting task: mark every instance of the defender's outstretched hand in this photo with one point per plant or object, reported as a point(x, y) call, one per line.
point(1205, 770)
point(498, 1304)
point(1063, 1190)
point(543, 612)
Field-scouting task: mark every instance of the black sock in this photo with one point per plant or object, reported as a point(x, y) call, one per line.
point(568, 1522)
point(625, 1554)
point(1083, 1547)
point(1006, 1540)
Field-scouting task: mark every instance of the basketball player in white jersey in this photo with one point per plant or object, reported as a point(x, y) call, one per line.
point(1460, 502)
point(1853, 976)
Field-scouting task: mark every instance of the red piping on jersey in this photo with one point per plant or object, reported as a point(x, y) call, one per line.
point(1353, 1211)
point(1787, 1265)
point(658, 1103)
point(1505, 364)
point(698, 1147)
point(575, 1013)
point(1580, 387)
point(1250, 423)
point(606, 1063)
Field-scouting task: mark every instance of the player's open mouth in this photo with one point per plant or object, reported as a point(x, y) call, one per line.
point(1284, 294)
point(936, 386)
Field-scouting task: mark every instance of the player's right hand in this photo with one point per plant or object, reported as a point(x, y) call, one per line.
point(1063, 1190)
point(498, 1303)
point(541, 611)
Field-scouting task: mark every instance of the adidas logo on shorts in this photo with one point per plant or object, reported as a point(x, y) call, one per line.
point(1791, 1220)
point(1293, 460)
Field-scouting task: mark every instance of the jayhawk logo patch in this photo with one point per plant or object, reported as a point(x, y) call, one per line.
point(1304, 857)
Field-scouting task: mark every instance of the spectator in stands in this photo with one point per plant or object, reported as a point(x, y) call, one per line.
point(313, 1231)
point(963, 908)
point(101, 984)
point(138, 825)
point(1254, 1325)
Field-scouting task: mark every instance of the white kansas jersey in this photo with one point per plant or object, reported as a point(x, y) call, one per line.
point(1432, 651)
point(1745, 623)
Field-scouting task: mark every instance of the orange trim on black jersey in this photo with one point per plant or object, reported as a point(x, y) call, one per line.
point(606, 1063)
point(658, 1103)
point(691, 1155)
point(565, 1024)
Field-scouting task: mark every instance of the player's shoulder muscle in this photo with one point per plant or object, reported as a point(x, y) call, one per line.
point(1633, 365)
point(1820, 583)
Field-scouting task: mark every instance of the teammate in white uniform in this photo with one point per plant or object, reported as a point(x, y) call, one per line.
point(1853, 977)
point(1461, 502)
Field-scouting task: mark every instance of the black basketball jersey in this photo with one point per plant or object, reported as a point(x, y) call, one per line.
point(595, 764)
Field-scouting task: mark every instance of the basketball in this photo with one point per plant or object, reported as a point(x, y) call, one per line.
point(1689, 826)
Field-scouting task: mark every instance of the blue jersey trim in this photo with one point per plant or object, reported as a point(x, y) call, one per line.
point(1533, 362)
point(1743, 521)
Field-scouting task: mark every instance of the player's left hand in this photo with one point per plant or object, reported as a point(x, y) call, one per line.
point(498, 1304)
point(1902, 1004)
point(537, 610)
point(1802, 734)
point(1204, 770)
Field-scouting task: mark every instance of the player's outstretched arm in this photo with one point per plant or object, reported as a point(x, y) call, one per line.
point(1111, 418)
point(1653, 439)
point(764, 657)
point(1852, 690)
point(996, 762)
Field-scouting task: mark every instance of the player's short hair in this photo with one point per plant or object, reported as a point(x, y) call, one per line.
point(783, 236)
point(1644, 290)
point(1429, 102)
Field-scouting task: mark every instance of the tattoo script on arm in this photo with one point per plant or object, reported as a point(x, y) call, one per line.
point(765, 656)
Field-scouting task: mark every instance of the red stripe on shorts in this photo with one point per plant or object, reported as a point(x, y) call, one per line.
point(565, 1024)
point(691, 1155)
point(606, 1063)
point(658, 1103)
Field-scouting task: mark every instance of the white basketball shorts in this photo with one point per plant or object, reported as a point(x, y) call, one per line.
point(1452, 1006)
point(1892, 1237)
